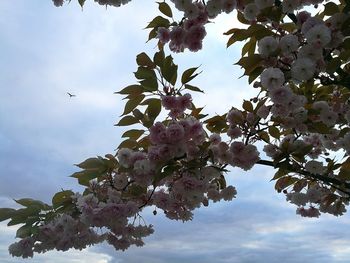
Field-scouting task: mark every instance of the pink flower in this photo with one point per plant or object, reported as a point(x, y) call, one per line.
point(163, 34)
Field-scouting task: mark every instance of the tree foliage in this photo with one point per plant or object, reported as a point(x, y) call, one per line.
point(297, 61)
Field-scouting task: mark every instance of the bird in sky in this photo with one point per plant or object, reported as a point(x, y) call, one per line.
point(71, 95)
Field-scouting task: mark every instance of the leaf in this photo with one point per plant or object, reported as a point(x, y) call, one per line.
point(250, 63)
point(274, 132)
point(330, 9)
point(24, 231)
point(284, 182)
point(128, 143)
point(132, 89)
point(169, 70)
point(84, 177)
point(159, 22)
point(333, 65)
point(6, 213)
point(264, 136)
point(91, 163)
point(193, 88)
point(133, 134)
point(241, 18)
point(145, 73)
point(127, 120)
point(81, 2)
point(165, 9)
point(132, 104)
point(254, 74)
point(61, 198)
point(159, 58)
point(249, 47)
point(248, 106)
point(25, 214)
point(27, 202)
point(154, 108)
point(188, 75)
point(144, 60)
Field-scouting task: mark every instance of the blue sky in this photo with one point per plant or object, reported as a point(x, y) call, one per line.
point(48, 51)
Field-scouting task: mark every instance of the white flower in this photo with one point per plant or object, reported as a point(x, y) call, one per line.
point(319, 35)
point(297, 198)
point(314, 167)
point(281, 95)
point(310, 23)
point(267, 46)
point(303, 69)
point(272, 78)
point(214, 7)
point(320, 106)
point(182, 4)
point(142, 166)
point(228, 193)
point(191, 11)
point(250, 12)
point(309, 51)
point(289, 43)
point(300, 114)
point(328, 117)
point(228, 5)
point(124, 156)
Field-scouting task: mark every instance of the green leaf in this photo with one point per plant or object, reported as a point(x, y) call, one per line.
point(144, 60)
point(165, 9)
point(250, 63)
point(159, 58)
point(91, 163)
point(169, 70)
point(249, 47)
point(154, 108)
point(24, 231)
point(127, 120)
point(255, 73)
point(274, 132)
point(333, 65)
point(242, 19)
point(133, 134)
point(284, 182)
point(81, 2)
point(84, 177)
point(264, 136)
point(128, 143)
point(331, 9)
point(248, 106)
point(145, 73)
point(188, 75)
point(6, 213)
point(62, 198)
point(193, 88)
point(23, 215)
point(132, 89)
point(159, 22)
point(27, 202)
point(132, 104)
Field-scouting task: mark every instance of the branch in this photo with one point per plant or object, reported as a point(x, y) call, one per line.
point(330, 181)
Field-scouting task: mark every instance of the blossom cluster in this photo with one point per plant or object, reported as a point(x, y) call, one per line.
point(190, 33)
point(115, 3)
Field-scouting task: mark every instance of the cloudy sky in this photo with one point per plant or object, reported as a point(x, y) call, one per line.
point(48, 51)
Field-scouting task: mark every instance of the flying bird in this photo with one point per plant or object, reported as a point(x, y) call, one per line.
point(71, 95)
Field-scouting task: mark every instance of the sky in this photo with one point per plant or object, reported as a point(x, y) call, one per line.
point(47, 52)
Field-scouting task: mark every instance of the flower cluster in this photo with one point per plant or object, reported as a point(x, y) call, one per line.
point(191, 32)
